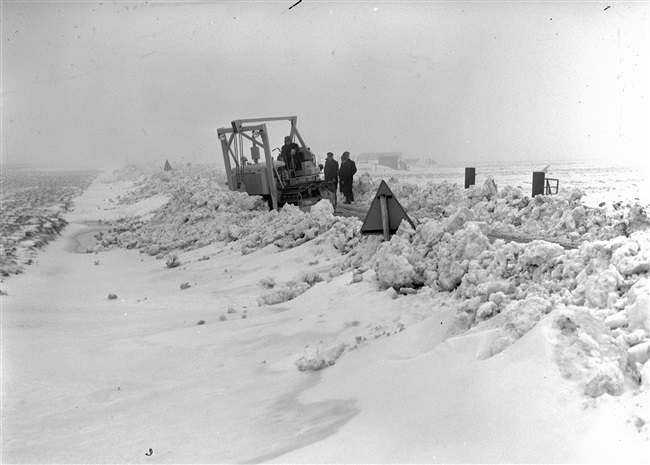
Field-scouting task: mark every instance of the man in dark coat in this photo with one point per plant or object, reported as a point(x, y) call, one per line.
point(331, 172)
point(346, 176)
point(289, 150)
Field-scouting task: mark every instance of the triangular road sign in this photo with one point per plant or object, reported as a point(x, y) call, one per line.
point(373, 223)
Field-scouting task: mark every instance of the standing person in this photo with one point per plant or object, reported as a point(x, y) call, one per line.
point(286, 153)
point(297, 159)
point(331, 172)
point(346, 176)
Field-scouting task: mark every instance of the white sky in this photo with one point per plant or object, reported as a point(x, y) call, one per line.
point(460, 82)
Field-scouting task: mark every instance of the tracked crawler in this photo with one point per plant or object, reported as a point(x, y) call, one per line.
point(278, 181)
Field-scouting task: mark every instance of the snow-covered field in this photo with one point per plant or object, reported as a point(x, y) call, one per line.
point(177, 322)
point(32, 207)
point(601, 181)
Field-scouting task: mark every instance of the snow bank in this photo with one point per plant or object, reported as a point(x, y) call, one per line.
point(600, 291)
point(508, 211)
point(201, 211)
point(595, 294)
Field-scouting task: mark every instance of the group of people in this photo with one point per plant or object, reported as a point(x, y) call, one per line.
point(336, 177)
point(340, 176)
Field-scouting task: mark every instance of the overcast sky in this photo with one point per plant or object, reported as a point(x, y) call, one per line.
point(461, 82)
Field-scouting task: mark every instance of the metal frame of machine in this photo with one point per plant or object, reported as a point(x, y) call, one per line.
point(272, 179)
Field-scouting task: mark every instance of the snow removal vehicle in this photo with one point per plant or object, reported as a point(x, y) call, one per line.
point(294, 179)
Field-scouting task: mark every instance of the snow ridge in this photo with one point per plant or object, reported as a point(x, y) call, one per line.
point(581, 272)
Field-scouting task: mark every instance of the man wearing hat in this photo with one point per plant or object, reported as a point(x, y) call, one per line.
point(331, 172)
point(346, 176)
point(288, 152)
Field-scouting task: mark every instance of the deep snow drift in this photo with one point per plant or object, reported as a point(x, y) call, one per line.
point(596, 293)
point(501, 328)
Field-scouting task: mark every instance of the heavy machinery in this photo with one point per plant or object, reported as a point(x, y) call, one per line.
point(278, 182)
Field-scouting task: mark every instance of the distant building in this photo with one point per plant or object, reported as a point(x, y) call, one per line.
point(390, 159)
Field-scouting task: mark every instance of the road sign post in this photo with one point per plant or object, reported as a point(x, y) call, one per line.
point(385, 214)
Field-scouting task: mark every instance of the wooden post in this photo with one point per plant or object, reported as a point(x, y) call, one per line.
point(384, 217)
point(538, 183)
point(470, 177)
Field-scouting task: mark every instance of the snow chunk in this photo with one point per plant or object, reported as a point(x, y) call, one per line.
point(599, 286)
point(519, 317)
point(471, 241)
point(487, 191)
point(638, 314)
point(283, 293)
point(587, 353)
point(486, 310)
point(645, 377)
point(458, 220)
point(607, 378)
point(538, 253)
point(315, 358)
point(451, 259)
point(640, 354)
point(500, 287)
point(392, 265)
point(431, 232)
point(616, 320)
point(323, 208)
point(630, 258)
